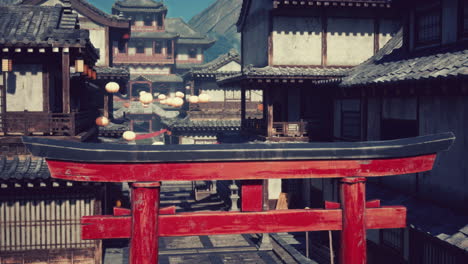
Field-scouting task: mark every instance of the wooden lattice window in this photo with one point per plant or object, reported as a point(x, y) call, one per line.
point(428, 25)
point(192, 53)
point(148, 21)
point(122, 46)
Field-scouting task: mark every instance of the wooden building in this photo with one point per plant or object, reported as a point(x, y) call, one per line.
point(287, 46)
point(45, 91)
point(158, 48)
point(416, 85)
point(205, 122)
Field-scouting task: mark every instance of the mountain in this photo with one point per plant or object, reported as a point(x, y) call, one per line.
point(219, 21)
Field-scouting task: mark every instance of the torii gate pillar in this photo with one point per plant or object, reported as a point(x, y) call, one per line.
point(144, 238)
point(353, 236)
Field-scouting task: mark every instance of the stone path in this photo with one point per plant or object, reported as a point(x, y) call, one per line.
point(223, 249)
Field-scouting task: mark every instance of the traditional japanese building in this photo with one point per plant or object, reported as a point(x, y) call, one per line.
point(207, 121)
point(45, 92)
point(158, 48)
point(287, 46)
point(416, 85)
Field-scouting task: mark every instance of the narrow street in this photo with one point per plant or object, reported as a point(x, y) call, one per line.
point(227, 249)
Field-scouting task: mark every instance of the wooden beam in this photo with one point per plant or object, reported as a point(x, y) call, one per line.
point(66, 83)
point(243, 170)
point(252, 196)
point(221, 223)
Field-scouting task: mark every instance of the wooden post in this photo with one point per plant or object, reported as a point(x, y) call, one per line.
point(106, 105)
point(243, 107)
point(269, 114)
point(144, 234)
point(353, 236)
point(66, 83)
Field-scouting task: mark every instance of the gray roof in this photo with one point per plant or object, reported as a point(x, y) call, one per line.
point(392, 64)
point(40, 26)
point(139, 6)
point(112, 71)
point(187, 35)
point(159, 78)
point(23, 168)
point(154, 108)
point(292, 71)
point(188, 124)
point(214, 65)
point(439, 222)
point(157, 35)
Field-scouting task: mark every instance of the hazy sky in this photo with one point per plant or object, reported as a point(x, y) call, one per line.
point(177, 8)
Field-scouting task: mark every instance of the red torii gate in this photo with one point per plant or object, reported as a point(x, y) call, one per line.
point(146, 166)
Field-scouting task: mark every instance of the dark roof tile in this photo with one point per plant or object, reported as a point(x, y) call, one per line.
point(23, 168)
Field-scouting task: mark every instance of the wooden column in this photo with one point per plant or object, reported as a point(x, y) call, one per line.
point(144, 233)
point(353, 235)
point(66, 82)
point(243, 106)
point(106, 105)
point(269, 114)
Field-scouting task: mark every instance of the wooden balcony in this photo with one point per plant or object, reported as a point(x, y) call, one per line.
point(280, 131)
point(289, 129)
point(124, 58)
point(34, 123)
point(255, 126)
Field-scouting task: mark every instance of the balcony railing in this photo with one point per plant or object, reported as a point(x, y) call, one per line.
point(28, 123)
point(289, 129)
point(143, 58)
point(255, 126)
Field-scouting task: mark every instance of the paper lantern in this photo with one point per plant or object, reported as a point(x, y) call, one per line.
point(163, 102)
point(129, 135)
point(177, 102)
point(162, 97)
point(204, 98)
point(193, 99)
point(7, 65)
point(102, 121)
point(180, 94)
point(79, 65)
point(112, 87)
point(146, 98)
point(85, 70)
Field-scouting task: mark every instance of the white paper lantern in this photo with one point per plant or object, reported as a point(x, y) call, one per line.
point(129, 135)
point(204, 98)
point(180, 94)
point(177, 102)
point(112, 87)
point(193, 99)
point(162, 97)
point(170, 101)
point(163, 102)
point(146, 98)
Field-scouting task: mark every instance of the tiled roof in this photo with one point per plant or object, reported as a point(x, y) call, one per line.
point(392, 64)
point(112, 71)
point(187, 35)
point(40, 26)
point(158, 35)
point(159, 78)
point(23, 168)
point(212, 125)
point(292, 71)
point(439, 222)
point(214, 65)
point(139, 6)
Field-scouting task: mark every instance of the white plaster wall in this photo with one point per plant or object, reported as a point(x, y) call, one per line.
point(190, 140)
point(182, 53)
point(52, 3)
point(387, 28)
point(349, 41)
point(216, 95)
point(150, 70)
point(274, 189)
point(131, 50)
point(24, 88)
point(256, 95)
point(230, 67)
point(297, 41)
point(186, 141)
point(98, 38)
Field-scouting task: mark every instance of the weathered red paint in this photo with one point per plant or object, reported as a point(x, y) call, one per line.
point(220, 223)
point(353, 234)
point(144, 237)
point(252, 196)
point(154, 172)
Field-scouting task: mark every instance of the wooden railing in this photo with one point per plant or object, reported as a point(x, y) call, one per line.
point(143, 58)
point(289, 129)
point(27, 123)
